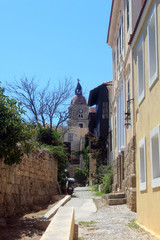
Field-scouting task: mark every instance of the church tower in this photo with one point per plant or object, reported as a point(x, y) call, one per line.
point(78, 110)
point(77, 129)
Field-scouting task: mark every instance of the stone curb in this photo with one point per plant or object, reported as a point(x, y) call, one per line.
point(53, 210)
point(61, 226)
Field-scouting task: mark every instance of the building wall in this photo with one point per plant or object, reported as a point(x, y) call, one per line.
point(75, 116)
point(123, 135)
point(92, 168)
point(31, 182)
point(146, 119)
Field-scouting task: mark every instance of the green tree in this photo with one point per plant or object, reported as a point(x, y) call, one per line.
point(15, 133)
point(51, 139)
point(80, 176)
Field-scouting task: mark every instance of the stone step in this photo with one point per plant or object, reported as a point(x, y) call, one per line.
point(117, 201)
point(116, 195)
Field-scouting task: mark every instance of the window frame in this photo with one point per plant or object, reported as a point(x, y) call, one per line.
point(81, 125)
point(142, 95)
point(127, 14)
point(152, 79)
point(142, 185)
point(115, 130)
point(115, 66)
point(70, 137)
point(128, 94)
point(153, 133)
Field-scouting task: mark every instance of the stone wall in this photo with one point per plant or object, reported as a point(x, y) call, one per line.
point(92, 168)
point(124, 174)
point(129, 182)
point(31, 182)
point(71, 169)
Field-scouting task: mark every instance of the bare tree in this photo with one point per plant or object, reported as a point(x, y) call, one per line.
point(44, 104)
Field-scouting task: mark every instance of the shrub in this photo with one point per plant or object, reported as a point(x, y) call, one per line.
point(107, 181)
point(80, 176)
point(51, 139)
point(15, 133)
point(48, 136)
point(104, 176)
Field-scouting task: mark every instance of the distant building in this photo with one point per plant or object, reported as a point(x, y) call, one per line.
point(100, 123)
point(77, 128)
point(100, 97)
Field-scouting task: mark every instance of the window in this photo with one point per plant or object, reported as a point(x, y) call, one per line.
point(140, 63)
point(110, 140)
point(122, 34)
point(114, 66)
point(120, 119)
point(120, 41)
point(128, 95)
point(142, 164)
point(117, 51)
point(104, 110)
point(81, 125)
point(152, 47)
point(70, 137)
point(80, 115)
point(155, 156)
point(127, 5)
point(115, 131)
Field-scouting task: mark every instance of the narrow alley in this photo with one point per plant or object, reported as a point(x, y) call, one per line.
point(98, 221)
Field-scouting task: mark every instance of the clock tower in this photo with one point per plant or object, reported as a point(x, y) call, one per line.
point(77, 129)
point(78, 110)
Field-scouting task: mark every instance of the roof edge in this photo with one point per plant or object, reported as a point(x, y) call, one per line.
point(137, 23)
point(110, 21)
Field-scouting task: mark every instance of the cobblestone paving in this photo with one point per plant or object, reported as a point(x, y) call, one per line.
point(111, 222)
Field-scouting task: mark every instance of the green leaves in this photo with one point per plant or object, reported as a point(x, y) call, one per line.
point(51, 139)
point(15, 134)
point(80, 176)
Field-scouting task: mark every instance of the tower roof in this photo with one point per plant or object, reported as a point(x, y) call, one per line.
point(78, 90)
point(78, 99)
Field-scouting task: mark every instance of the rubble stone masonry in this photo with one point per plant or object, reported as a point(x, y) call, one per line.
point(29, 183)
point(124, 174)
point(129, 182)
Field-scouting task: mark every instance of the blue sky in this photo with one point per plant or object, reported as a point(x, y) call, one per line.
point(54, 39)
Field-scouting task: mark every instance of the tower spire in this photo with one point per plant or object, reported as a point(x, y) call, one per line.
point(78, 90)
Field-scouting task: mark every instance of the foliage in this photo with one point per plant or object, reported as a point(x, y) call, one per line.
point(133, 224)
point(86, 224)
point(48, 136)
point(15, 134)
point(80, 176)
point(51, 139)
point(85, 153)
point(104, 176)
point(107, 180)
point(99, 194)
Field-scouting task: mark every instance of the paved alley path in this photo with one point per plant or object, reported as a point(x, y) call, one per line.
point(109, 222)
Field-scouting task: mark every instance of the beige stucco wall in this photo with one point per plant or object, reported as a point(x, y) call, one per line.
point(78, 134)
point(124, 67)
point(31, 182)
point(147, 118)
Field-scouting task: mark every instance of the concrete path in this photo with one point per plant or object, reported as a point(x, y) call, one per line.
point(110, 222)
point(82, 202)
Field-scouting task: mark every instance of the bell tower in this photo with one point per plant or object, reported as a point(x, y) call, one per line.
point(78, 110)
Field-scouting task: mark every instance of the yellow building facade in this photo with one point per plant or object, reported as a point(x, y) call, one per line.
point(145, 47)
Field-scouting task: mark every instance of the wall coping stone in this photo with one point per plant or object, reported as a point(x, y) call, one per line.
point(61, 226)
point(53, 210)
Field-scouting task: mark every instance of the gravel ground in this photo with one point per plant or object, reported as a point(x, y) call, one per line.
point(111, 222)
